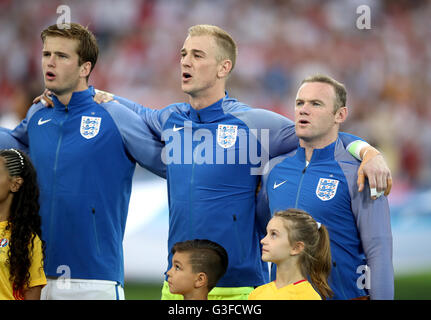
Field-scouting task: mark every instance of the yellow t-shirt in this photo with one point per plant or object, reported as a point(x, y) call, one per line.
point(37, 275)
point(301, 290)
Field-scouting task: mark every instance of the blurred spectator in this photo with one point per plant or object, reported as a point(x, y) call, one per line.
point(386, 69)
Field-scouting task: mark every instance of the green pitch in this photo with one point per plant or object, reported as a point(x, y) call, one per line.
point(407, 287)
point(142, 291)
point(413, 287)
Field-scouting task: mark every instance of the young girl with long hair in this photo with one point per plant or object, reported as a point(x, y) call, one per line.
point(21, 252)
point(300, 248)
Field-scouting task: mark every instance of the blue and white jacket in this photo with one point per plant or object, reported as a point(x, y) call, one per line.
point(85, 156)
point(359, 227)
point(210, 155)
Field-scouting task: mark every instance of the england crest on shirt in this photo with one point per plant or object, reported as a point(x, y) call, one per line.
point(226, 135)
point(326, 189)
point(90, 126)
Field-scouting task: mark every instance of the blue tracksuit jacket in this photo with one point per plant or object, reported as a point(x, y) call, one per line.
point(359, 228)
point(85, 155)
point(210, 154)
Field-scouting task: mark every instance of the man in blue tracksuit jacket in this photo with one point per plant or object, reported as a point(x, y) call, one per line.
point(214, 149)
point(320, 178)
point(85, 156)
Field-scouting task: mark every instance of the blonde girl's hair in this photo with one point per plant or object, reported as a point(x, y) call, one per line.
point(315, 260)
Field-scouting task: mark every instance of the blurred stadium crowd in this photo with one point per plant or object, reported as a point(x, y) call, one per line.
point(386, 69)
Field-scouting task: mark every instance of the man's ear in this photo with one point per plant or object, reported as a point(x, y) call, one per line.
point(85, 69)
point(224, 68)
point(16, 183)
point(297, 248)
point(201, 280)
point(341, 115)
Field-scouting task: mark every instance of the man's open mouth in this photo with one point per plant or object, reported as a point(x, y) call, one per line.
point(50, 75)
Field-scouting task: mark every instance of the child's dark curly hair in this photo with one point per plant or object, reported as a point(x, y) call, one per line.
point(24, 219)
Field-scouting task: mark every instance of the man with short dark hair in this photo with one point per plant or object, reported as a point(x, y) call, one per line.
point(340, 93)
point(85, 155)
point(320, 178)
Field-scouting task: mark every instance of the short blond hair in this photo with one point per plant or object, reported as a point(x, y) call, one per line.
point(228, 49)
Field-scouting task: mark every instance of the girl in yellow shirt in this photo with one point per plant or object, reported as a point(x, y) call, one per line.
point(299, 246)
point(21, 253)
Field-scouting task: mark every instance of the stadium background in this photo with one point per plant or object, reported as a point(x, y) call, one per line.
point(386, 69)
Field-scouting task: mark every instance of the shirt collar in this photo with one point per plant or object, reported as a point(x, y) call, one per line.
point(326, 153)
point(211, 113)
point(78, 98)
